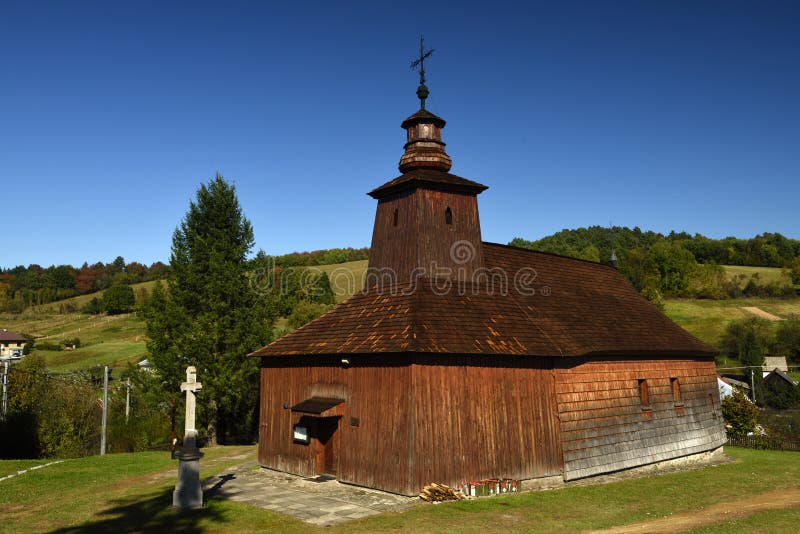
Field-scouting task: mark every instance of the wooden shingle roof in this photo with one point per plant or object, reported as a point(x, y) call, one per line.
point(566, 307)
point(429, 178)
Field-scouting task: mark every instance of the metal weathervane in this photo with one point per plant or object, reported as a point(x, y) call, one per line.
point(419, 64)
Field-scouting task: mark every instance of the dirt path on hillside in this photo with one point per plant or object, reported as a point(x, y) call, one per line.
point(758, 312)
point(725, 511)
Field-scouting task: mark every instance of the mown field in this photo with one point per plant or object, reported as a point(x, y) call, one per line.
point(766, 274)
point(105, 340)
point(133, 492)
point(707, 319)
point(346, 278)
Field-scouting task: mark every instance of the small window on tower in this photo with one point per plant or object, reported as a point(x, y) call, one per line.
point(395, 217)
point(448, 216)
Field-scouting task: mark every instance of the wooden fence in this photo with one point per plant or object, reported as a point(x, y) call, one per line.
point(764, 442)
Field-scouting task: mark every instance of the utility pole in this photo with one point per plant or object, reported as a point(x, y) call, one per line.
point(127, 399)
point(5, 388)
point(6, 364)
point(105, 410)
point(752, 385)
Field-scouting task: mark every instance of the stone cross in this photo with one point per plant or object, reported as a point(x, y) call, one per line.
point(188, 492)
point(191, 387)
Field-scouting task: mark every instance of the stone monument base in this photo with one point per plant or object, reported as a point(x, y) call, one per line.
point(188, 494)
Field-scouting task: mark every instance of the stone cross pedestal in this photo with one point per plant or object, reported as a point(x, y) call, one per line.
point(188, 493)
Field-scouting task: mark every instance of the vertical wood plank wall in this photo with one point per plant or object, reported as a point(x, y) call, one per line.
point(374, 453)
point(422, 237)
point(395, 247)
point(452, 418)
point(605, 427)
point(478, 417)
point(436, 238)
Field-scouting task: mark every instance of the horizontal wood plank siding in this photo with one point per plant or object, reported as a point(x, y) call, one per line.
point(605, 427)
point(480, 417)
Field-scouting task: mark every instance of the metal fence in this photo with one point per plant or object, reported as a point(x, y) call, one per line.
point(764, 442)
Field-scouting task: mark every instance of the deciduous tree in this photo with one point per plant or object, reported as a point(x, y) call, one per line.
point(118, 299)
point(748, 340)
point(788, 338)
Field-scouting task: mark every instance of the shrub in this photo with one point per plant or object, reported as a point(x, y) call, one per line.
point(93, 307)
point(49, 420)
point(741, 415)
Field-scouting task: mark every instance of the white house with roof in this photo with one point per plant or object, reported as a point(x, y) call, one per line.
point(11, 343)
point(727, 386)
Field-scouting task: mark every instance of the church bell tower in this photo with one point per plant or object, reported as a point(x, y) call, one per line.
point(426, 224)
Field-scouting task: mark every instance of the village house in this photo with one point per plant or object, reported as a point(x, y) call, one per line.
point(11, 343)
point(728, 386)
point(773, 363)
point(463, 359)
point(778, 390)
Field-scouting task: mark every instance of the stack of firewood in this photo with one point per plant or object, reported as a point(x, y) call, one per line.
point(440, 492)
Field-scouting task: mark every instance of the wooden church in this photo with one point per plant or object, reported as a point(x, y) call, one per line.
point(464, 360)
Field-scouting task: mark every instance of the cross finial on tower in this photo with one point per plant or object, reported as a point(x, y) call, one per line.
point(419, 64)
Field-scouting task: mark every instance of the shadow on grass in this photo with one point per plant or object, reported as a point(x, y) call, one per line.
point(147, 514)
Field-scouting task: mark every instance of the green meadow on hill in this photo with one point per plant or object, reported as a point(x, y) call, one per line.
point(707, 319)
point(766, 274)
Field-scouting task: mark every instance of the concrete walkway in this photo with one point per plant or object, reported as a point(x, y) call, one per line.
point(321, 501)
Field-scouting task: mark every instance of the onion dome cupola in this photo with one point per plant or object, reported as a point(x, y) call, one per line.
point(424, 147)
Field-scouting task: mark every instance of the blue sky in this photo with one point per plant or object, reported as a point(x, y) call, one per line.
point(677, 115)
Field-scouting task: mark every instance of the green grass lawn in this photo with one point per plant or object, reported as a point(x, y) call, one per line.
point(776, 521)
point(132, 492)
point(8, 467)
point(136, 487)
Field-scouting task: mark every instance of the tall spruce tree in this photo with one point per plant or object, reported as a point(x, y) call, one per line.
point(209, 316)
